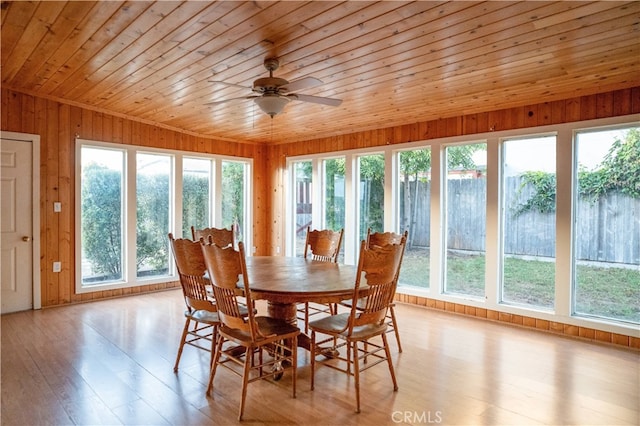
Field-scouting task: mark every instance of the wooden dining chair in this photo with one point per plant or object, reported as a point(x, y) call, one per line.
point(253, 333)
point(324, 246)
point(365, 321)
point(381, 239)
point(220, 236)
point(201, 314)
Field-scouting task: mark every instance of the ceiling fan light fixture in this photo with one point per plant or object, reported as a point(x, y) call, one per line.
point(271, 104)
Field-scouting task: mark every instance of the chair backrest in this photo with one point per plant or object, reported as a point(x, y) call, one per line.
point(323, 245)
point(220, 236)
point(380, 266)
point(384, 238)
point(227, 267)
point(191, 271)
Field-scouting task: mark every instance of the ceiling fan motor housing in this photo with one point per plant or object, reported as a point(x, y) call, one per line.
point(271, 84)
point(268, 84)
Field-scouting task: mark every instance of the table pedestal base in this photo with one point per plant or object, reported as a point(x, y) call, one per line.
point(289, 313)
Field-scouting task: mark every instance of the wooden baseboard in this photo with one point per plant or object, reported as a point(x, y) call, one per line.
point(524, 321)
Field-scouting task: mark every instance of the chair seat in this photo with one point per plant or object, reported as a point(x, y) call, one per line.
point(203, 316)
point(337, 324)
point(360, 305)
point(274, 328)
point(393, 326)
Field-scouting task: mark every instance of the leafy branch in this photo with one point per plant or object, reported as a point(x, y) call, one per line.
point(619, 171)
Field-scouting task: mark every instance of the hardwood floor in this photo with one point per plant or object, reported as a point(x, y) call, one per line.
point(111, 362)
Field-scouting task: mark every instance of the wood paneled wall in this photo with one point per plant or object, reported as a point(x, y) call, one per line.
point(58, 125)
point(603, 105)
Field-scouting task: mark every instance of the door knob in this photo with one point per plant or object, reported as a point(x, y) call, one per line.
point(26, 239)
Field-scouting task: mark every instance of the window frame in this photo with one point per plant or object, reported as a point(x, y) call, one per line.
point(443, 214)
point(500, 290)
point(574, 225)
point(129, 278)
point(564, 217)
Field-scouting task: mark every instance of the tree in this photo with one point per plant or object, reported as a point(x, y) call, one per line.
point(195, 202)
point(101, 220)
point(233, 196)
point(619, 170)
point(334, 206)
point(372, 196)
point(152, 222)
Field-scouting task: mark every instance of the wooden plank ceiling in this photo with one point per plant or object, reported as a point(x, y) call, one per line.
point(391, 62)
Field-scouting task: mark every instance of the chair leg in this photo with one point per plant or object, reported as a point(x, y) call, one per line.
point(245, 380)
point(395, 327)
point(349, 361)
point(185, 331)
point(214, 342)
point(294, 355)
point(356, 371)
point(214, 364)
point(389, 361)
point(312, 351)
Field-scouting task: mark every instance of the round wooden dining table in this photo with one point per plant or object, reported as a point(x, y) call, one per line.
point(286, 281)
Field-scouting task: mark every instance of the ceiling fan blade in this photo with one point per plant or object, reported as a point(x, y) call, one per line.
point(303, 83)
point(316, 99)
point(229, 84)
point(229, 100)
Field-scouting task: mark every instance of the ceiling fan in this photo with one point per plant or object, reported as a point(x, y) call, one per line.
point(273, 93)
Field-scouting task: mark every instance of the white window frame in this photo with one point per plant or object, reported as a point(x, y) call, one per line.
point(564, 216)
point(129, 213)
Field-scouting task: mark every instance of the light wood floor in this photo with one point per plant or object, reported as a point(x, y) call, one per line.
point(110, 362)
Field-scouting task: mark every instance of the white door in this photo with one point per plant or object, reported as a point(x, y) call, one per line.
point(16, 223)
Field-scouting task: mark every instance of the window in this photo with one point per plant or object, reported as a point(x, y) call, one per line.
point(130, 198)
point(414, 193)
point(517, 232)
point(529, 221)
point(607, 225)
point(303, 203)
point(371, 194)
point(465, 208)
point(153, 202)
point(333, 190)
point(234, 177)
point(196, 194)
point(102, 215)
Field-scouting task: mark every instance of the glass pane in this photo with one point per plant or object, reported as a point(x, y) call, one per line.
point(233, 196)
point(334, 186)
point(415, 215)
point(334, 194)
point(196, 174)
point(371, 178)
point(302, 219)
point(607, 225)
point(153, 211)
point(466, 200)
point(529, 239)
point(102, 183)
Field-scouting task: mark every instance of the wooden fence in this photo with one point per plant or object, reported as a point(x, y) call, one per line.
point(608, 228)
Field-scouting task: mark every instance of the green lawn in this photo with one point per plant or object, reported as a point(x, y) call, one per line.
point(611, 292)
